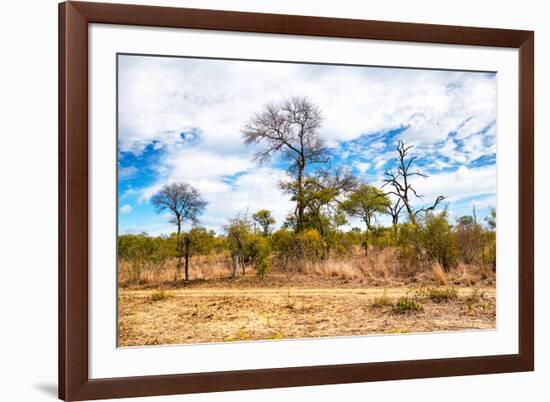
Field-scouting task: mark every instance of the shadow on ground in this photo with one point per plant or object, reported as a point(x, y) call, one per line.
point(48, 389)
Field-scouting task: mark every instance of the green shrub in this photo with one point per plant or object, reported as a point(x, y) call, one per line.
point(407, 305)
point(383, 237)
point(406, 236)
point(438, 240)
point(141, 251)
point(261, 251)
point(306, 246)
point(310, 245)
point(439, 295)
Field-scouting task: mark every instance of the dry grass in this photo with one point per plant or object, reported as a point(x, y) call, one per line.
point(381, 267)
point(222, 314)
point(439, 273)
point(159, 295)
point(382, 300)
point(153, 275)
point(341, 296)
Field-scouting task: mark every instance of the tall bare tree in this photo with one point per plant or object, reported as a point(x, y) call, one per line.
point(290, 128)
point(184, 203)
point(400, 181)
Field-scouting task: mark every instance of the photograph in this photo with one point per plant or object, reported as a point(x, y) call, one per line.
point(270, 200)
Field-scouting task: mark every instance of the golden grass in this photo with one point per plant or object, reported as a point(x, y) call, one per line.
point(382, 300)
point(382, 267)
point(439, 273)
point(201, 267)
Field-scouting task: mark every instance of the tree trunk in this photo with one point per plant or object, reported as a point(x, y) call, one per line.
point(395, 220)
point(187, 253)
point(235, 261)
point(367, 242)
point(300, 200)
point(179, 251)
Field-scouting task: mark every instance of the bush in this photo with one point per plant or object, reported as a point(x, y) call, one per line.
point(406, 238)
point(342, 243)
point(383, 237)
point(438, 240)
point(407, 305)
point(310, 245)
point(159, 295)
point(439, 295)
point(307, 246)
point(489, 253)
point(141, 251)
point(469, 239)
point(260, 248)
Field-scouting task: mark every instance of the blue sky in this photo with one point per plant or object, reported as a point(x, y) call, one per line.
point(180, 120)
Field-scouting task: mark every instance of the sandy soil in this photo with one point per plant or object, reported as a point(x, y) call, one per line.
point(242, 310)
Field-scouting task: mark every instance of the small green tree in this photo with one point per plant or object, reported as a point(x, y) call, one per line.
point(260, 252)
point(239, 229)
point(364, 203)
point(264, 218)
point(195, 242)
point(138, 250)
point(184, 203)
point(438, 240)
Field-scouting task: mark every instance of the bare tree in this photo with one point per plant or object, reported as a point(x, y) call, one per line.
point(184, 203)
point(290, 128)
point(400, 181)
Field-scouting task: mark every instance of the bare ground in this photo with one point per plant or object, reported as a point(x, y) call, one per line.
point(227, 310)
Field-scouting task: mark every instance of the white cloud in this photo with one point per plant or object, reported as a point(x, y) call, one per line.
point(127, 172)
point(161, 97)
point(126, 209)
point(462, 183)
point(362, 166)
point(210, 100)
point(258, 189)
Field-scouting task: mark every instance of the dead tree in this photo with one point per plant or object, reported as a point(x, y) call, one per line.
point(395, 210)
point(400, 182)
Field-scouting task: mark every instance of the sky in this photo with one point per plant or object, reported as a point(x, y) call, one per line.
point(180, 120)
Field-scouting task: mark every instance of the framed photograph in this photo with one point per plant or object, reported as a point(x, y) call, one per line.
point(260, 200)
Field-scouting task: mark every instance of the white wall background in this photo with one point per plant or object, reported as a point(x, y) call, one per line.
point(28, 199)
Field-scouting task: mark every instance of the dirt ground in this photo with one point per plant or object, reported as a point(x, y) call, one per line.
point(244, 309)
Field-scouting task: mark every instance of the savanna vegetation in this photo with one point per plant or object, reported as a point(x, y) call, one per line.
point(330, 268)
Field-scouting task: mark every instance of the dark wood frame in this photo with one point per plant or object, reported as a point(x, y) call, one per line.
point(74, 383)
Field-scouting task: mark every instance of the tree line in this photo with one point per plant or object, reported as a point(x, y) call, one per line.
point(324, 199)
